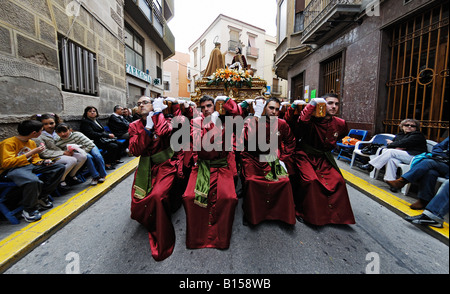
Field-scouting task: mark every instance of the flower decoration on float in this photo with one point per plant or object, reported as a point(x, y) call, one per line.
point(231, 78)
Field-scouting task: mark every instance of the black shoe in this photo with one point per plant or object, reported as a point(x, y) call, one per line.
point(73, 181)
point(109, 167)
point(44, 204)
point(368, 167)
point(119, 161)
point(393, 189)
point(425, 220)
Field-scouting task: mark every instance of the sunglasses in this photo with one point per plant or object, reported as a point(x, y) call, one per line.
point(411, 126)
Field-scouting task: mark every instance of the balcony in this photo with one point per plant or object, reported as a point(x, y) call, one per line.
point(150, 18)
point(324, 18)
point(252, 52)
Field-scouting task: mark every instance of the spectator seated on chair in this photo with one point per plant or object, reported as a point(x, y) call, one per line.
point(82, 144)
point(434, 212)
point(426, 173)
point(20, 163)
point(71, 160)
point(103, 139)
point(405, 145)
point(119, 125)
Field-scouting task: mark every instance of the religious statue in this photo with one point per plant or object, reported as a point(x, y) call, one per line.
point(239, 62)
point(216, 61)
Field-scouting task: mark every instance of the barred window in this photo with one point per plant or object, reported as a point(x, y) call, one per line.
point(78, 67)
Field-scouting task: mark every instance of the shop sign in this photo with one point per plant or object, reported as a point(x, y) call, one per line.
point(138, 73)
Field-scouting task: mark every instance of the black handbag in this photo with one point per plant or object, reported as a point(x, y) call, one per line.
point(371, 149)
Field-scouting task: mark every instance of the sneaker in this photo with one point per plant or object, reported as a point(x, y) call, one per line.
point(31, 216)
point(45, 204)
point(94, 182)
point(425, 220)
point(101, 180)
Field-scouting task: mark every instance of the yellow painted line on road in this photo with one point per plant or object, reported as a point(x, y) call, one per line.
point(16, 245)
point(390, 199)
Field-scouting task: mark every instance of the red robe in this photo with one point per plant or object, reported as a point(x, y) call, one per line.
point(154, 211)
point(211, 227)
point(320, 194)
point(267, 199)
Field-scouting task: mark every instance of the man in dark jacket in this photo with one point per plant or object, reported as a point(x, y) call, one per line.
point(118, 124)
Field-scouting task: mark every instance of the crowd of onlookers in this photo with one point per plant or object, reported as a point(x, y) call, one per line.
point(47, 155)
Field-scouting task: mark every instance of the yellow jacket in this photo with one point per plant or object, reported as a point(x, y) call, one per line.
point(12, 152)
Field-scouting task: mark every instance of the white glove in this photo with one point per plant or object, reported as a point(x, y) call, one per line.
point(220, 98)
point(193, 104)
point(285, 103)
point(181, 101)
point(214, 117)
point(317, 100)
point(299, 102)
point(258, 106)
point(158, 105)
point(249, 101)
point(149, 124)
point(173, 100)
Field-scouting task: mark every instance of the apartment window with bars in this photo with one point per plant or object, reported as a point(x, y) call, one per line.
point(78, 68)
point(331, 75)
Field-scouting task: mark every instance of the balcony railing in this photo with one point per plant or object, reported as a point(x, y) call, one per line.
point(318, 10)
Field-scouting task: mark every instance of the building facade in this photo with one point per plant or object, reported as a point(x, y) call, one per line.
point(176, 76)
point(257, 47)
point(387, 60)
point(60, 56)
point(148, 43)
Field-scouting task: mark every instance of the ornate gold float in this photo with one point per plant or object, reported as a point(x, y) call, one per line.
point(237, 85)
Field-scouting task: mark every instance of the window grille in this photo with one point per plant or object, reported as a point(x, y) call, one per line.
point(78, 68)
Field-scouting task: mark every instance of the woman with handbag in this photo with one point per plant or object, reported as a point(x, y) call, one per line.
point(409, 142)
point(94, 130)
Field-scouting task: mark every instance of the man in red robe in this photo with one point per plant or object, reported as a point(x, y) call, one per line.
point(155, 176)
point(210, 198)
point(320, 192)
point(267, 189)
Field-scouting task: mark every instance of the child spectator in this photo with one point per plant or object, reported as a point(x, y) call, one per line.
point(20, 163)
point(82, 144)
point(72, 161)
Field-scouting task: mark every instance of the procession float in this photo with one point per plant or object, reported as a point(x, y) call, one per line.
point(234, 81)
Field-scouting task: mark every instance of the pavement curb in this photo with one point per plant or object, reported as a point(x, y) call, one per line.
point(395, 204)
point(18, 244)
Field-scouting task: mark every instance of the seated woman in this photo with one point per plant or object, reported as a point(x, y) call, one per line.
point(72, 161)
point(94, 130)
point(95, 163)
point(405, 145)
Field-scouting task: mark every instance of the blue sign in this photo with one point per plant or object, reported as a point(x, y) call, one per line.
point(138, 73)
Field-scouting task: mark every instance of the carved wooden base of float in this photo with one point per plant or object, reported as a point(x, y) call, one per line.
point(238, 94)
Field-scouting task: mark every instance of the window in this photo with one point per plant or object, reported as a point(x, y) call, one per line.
point(158, 66)
point(331, 75)
point(282, 22)
point(195, 56)
point(78, 68)
point(202, 48)
point(134, 48)
point(299, 17)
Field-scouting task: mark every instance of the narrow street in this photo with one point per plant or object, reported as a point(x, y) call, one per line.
point(103, 239)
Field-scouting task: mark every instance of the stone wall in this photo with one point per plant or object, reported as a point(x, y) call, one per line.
point(30, 79)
